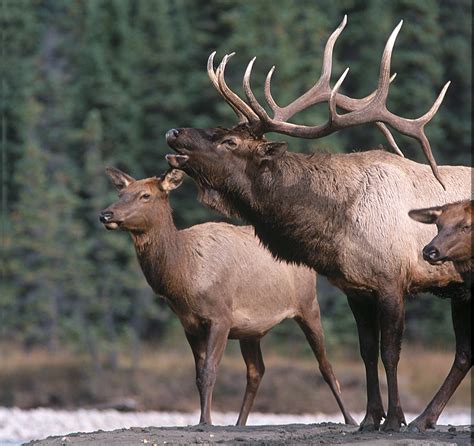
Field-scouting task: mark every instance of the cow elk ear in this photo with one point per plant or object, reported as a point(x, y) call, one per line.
point(428, 215)
point(268, 151)
point(172, 179)
point(119, 179)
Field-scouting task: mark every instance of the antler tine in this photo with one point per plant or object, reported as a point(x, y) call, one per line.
point(212, 76)
point(319, 92)
point(211, 73)
point(268, 93)
point(391, 140)
point(434, 108)
point(334, 116)
point(416, 129)
point(254, 104)
point(384, 77)
point(230, 96)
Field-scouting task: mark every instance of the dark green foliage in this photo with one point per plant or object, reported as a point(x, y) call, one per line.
point(96, 83)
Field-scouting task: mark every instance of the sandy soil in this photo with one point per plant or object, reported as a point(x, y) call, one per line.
point(324, 433)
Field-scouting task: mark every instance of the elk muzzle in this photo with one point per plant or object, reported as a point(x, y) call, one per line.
point(107, 219)
point(432, 254)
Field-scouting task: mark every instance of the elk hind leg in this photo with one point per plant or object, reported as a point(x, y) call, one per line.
point(252, 355)
point(461, 315)
point(310, 323)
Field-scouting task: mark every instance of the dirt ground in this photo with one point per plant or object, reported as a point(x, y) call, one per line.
point(325, 433)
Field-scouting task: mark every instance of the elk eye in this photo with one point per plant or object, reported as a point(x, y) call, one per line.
point(229, 142)
point(145, 197)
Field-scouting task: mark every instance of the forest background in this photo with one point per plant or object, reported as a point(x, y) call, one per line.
point(90, 84)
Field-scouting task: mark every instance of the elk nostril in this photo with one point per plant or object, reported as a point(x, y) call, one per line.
point(105, 216)
point(430, 253)
point(172, 134)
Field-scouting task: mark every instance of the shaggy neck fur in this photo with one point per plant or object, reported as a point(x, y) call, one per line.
point(275, 215)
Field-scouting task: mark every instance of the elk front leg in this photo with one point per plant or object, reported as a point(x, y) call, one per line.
point(461, 315)
point(364, 309)
point(310, 323)
point(252, 355)
point(206, 375)
point(391, 320)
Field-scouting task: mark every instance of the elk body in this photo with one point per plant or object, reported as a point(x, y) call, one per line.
point(219, 281)
point(453, 243)
point(345, 215)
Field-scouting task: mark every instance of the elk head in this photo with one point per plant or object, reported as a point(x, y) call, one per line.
point(142, 203)
point(454, 239)
point(197, 148)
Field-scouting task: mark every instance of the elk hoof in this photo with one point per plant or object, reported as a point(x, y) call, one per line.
point(349, 420)
point(420, 425)
point(394, 421)
point(372, 419)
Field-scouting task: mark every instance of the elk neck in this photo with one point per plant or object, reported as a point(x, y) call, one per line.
point(270, 207)
point(160, 252)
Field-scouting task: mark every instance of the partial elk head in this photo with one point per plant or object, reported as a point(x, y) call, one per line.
point(454, 239)
point(208, 154)
point(141, 203)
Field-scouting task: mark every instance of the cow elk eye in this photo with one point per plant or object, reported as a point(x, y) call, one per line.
point(145, 196)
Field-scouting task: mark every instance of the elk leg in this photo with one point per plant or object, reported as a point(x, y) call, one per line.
point(207, 374)
point(364, 309)
point(310, 323)
point(391, 319)
point(198, 346)
point(461, 315)
point(252, 355)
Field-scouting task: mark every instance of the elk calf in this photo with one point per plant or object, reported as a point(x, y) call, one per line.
point(219, 281)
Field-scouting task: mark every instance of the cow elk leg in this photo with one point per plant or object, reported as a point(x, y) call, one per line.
point(461, 314)
point(364, 309)
point(310, 323)
point(391, 317)
point(252, 355)
point(208, 354)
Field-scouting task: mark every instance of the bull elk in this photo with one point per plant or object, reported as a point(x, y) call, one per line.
point(219, 281)
point(345, 215)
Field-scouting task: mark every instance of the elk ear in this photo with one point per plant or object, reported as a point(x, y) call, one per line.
point(119, 179)
point(172, 179)
point(271, 150)
point(428, 215)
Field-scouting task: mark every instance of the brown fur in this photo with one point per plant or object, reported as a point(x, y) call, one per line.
point(345, 215)
point(219, 281)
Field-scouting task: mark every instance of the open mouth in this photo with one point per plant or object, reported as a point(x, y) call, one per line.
point(178, 161)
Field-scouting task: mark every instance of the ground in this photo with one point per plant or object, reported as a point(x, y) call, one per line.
point(325, 433)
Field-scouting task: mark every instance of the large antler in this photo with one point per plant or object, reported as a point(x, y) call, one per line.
point(371, 109)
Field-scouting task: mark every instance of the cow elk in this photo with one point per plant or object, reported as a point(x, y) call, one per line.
point(453, 243)
point(219, 281)
point(345, 215)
